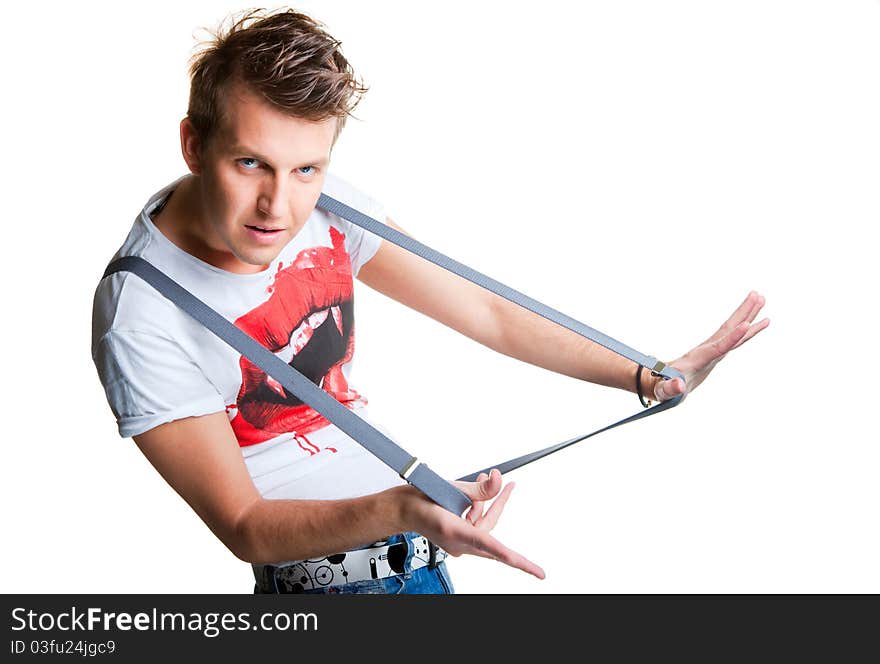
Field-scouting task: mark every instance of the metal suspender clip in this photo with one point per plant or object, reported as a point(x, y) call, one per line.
point(409, 468)
point(432, 555)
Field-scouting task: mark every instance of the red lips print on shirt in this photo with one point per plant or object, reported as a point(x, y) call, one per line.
point(308, 321)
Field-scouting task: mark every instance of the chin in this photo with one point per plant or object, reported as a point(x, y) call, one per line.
point(259, 259)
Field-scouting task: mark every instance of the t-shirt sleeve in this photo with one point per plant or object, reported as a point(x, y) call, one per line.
point(364, 244)
point(150, 380)
point(360, 244)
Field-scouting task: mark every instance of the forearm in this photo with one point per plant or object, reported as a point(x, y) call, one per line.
point(283, 530)
point(526, 336)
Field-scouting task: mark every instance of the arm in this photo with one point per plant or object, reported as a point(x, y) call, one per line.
point(201, 460)
point(492, 320)
point(519, 333)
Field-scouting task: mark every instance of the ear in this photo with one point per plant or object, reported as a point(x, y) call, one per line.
point(190, 146)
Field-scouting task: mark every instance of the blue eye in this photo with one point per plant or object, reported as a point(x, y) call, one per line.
point(302, 168)
point(253, 163)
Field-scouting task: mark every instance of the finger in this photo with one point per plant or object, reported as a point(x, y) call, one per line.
point(475, 513)
point(492, 515)
point(732, 339)
point(487, 544)
point(736, 318)
point(492, 484)
point(741, 311)
point(466, 539)
point(753, 330)
point(482, 490)
point(714, 351)
point(756, 308)
point(667, 389)
point(750, 332)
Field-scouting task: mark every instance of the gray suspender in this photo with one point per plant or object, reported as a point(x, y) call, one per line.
point(416, 247)
point(408, 467)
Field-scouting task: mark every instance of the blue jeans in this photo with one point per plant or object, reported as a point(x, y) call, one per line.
point(424, 580)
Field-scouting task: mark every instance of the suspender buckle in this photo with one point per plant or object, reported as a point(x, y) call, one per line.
point(432, 555)
point(409, 468)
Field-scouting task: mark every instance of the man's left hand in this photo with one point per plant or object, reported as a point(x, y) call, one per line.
point(696, 364)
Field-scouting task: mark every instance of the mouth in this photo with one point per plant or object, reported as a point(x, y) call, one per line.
point(264, 235)
point(263, 401)
point(298, 340)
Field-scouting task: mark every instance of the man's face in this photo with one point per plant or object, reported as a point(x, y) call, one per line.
point(261, 175)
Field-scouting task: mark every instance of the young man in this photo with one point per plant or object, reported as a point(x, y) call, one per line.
point(281, 487)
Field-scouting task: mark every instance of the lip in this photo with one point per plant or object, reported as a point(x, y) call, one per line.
point(262, 237)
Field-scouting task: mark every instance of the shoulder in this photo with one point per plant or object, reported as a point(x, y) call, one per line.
point(121, 294)
point(353, 196)
point(360, 244)
point(123, 301)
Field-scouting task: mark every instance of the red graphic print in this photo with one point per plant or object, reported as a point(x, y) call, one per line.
point(308, 321)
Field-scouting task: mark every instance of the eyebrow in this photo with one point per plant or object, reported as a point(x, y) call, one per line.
point(241, 149)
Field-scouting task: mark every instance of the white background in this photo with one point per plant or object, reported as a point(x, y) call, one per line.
point(639, 165)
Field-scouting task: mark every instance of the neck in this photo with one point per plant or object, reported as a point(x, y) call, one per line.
point(175, 219)
point(183, 222)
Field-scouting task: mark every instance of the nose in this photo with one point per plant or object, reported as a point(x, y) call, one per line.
point(273, 198)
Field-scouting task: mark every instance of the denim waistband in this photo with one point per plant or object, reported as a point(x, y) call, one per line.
point(398, 554)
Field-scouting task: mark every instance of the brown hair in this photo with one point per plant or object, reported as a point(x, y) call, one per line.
point(287, 58)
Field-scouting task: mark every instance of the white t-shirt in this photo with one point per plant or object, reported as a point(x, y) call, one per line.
point(157, 364)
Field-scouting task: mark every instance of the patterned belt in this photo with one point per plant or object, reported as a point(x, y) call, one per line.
point(379, 561)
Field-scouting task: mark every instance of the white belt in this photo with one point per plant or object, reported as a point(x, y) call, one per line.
point(379, 561)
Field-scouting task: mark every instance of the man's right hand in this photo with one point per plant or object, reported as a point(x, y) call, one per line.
point(201, 459)
point(470, 534)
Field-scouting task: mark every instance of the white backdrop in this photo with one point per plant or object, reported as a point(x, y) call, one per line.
point(639, 165)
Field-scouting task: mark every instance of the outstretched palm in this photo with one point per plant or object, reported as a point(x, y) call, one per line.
point(696, 364)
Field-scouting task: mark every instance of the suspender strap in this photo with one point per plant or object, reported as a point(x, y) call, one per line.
point(393, 235)
point(518, 462)
point(401, 239)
